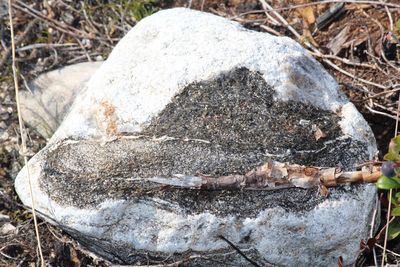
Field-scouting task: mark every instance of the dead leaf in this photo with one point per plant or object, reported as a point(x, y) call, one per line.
point(336, 44)
point(367, 246)
point(358, 6)
point(308, 36)
point(319, 134)
point(74, 257)
point(323, 190)
point(307, 13)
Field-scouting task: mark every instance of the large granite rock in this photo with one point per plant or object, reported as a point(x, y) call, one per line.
point(185, 93)
point(51, 95)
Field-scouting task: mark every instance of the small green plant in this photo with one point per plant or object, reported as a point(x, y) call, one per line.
point(398, 26)
point(390, 179)
point(142, 8)
point(138, 9)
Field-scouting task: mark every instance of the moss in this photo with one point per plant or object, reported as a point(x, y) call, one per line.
point(137, 9)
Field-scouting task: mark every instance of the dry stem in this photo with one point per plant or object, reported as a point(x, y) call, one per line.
point(273, 175)
point(23, 133)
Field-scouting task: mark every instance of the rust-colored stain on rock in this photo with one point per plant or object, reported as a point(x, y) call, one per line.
point(110, 117)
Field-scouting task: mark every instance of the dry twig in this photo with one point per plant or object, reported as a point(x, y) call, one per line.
point(6, 54)
point(238, 250)
point(274, 175)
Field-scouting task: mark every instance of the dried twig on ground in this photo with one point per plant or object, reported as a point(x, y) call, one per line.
point(272, 19)
point(19, 5)
point(6, 54)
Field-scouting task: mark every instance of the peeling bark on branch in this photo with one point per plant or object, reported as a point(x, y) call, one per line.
point(275, 174)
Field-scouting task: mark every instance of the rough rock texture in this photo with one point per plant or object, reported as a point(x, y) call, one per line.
point(185, 93)
point(51, 95)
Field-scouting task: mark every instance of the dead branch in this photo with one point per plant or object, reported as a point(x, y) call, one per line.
point(272, 19)
point(381, 94)
point(380, 113)
point(344, 60)
point(270, 30)
point(274, 175)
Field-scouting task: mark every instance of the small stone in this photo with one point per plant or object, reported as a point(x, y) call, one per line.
point(7, 100)
point(68, 17)
point(7, 229)
point(4, 136)
point(304, 122)
point(52, 94)
point(3, 125)
point(4, 117)
point(4, 218)
point(86, 43)
point(3, 8)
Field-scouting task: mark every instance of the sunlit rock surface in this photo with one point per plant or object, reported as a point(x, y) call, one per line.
point(191, 93)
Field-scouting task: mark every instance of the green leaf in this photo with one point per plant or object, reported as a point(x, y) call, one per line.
point(394, 229)
point(394, 149)
point(396, 211)
point(390, 156)
point(387, 183)
point(397, 179)
point(398, 25)
point(394, 201)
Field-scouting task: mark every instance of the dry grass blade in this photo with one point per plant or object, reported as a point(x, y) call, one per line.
point(21, 128)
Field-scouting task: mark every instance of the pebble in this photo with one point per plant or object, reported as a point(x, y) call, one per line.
point(4, 217)
point(4, 136)
point(7, 229)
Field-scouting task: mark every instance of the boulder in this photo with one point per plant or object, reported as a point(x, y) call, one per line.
point(188, 93)
point(50, 96)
